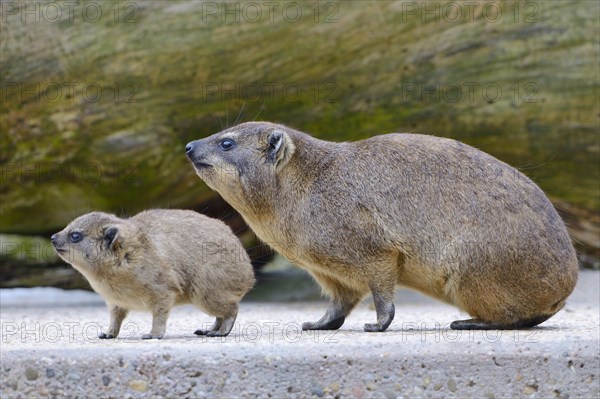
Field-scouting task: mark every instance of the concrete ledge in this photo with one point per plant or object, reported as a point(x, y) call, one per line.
point(53, 351)
point(49, 353)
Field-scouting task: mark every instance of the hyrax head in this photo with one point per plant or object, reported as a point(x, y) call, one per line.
point(92, 241)
point(242, 159)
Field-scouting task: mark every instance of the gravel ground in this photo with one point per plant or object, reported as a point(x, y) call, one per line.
point(52, 351)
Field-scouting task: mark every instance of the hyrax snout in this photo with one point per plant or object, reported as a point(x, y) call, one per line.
point(423, 212)
point(158, 259)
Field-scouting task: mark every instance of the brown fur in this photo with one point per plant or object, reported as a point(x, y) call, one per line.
point(423, 212)
point(158, 259)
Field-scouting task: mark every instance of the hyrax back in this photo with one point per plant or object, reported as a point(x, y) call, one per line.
point(423, 212)
point(156, 260)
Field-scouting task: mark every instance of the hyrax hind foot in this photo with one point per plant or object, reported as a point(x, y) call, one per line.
point(106, 336)
point(333, 318)
point(152, 336)
point(214, 329)
point(478, 324)
point(333, 324)
point(221, 328)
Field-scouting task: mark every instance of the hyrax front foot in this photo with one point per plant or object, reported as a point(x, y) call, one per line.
point(159, 321)
point(385, 314)
point(117, 314)
point(379, 326)
point(106, 336)
point(374, 327)
point(152, 336)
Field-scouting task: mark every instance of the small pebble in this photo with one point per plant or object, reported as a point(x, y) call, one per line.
point(31, 374)
point(105, 380)
point(530, 389)
point(318, 391)
point(50, 373)
point(138, 385)
point(452, 385)
point(14, 384)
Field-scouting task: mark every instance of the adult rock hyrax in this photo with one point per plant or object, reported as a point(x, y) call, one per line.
point(158, 259)
point(428, 213)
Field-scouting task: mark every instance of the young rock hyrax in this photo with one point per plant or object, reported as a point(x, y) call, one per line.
point(423, 212)
point(158, 259)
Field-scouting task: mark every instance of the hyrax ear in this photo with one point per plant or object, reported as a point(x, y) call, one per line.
point(111, 237)
point(280, 148)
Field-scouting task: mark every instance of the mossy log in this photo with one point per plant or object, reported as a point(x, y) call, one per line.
point(96, 108)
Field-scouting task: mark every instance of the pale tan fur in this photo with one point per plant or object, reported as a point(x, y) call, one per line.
point(428, 213)
point(158, 259)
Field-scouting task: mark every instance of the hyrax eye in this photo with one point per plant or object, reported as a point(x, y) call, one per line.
point(227, 144)
point(75, 236)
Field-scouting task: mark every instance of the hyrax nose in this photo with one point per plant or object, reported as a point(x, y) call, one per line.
point(189, 148)
point(53, 238)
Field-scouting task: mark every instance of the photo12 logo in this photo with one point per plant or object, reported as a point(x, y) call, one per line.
point(269, 92)
point(424, 332)
point(69, 92)
point(527, 12)
point(68, 11)
point(73, 172)
point(55, 332)
point(269, 11)
point(471, 92)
